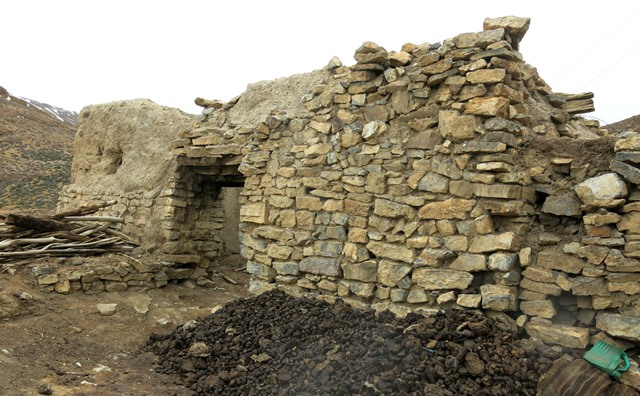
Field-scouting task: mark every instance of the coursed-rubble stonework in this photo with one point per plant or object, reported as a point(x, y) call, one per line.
point(442, 175)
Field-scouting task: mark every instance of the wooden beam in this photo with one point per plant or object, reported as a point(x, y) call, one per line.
point(83, 211)
point(37, 223)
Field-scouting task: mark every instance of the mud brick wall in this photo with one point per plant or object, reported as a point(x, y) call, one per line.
point(122, 153)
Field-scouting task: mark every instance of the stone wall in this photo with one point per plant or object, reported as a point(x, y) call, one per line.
point(442, 175)
point(579, 270)
point(111, 273)
point(200, 230)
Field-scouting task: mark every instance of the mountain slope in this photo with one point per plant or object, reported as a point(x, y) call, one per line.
point(629, 124)
point(36, 146)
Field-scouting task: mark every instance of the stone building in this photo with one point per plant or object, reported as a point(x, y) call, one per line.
point(442, 175)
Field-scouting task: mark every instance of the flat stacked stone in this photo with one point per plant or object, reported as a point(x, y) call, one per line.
point(403, 183)
point(406, 219)
point(443, 174)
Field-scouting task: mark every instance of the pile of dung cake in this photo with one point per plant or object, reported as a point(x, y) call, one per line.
point(278, 344)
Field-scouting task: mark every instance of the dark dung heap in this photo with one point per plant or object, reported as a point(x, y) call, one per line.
point(279, 344)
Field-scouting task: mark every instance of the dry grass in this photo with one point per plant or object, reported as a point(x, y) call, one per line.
point(36, 156)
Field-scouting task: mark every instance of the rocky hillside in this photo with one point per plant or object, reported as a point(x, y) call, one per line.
point(36, 141)
point(629, 124)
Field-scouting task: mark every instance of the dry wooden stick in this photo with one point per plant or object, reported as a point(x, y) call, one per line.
point(16, 234)
point(95, 229)
point(82, 229)
point(108, 219)
point(32, 236)
point(126, 237)
point(85, 210)
point(68, 235)
point(99, 242)
point(27, 241)
point(67, 252)
point(37, 223)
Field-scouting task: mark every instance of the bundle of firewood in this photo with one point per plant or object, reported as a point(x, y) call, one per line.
point(64, 234)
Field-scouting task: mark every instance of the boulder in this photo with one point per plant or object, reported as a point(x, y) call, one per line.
point(629, 172)
point(453, 208)
point(106, 309)
point(469, 300)
point(516, 27)
point(370, 52)
point(365, 271)
point(617, 262)
point(563, 335)
point(631, 143)
point(488, 107)
point(499, 297)
point(373, 129)
point(390, 273)
point(470, 263)
point(486, 76)
point(617, 325)
point(562, 205)
point(604, 191)
point(441, 279)
point(320, 266)
point(391, 251)
point(558, 260)
point(480, 39)
point(630, 222)
point(386, 208)
point(502, 261)
point(456, 127)
point(508, 241)
point(541, 308)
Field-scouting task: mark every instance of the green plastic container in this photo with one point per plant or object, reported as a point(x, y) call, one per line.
point(608, 358)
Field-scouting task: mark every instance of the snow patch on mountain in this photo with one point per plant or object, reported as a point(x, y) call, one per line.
point(66, 116)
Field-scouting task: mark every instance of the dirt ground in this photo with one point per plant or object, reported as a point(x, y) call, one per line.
point(62, 342)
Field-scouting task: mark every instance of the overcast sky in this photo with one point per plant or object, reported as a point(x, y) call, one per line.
point(74, 53)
